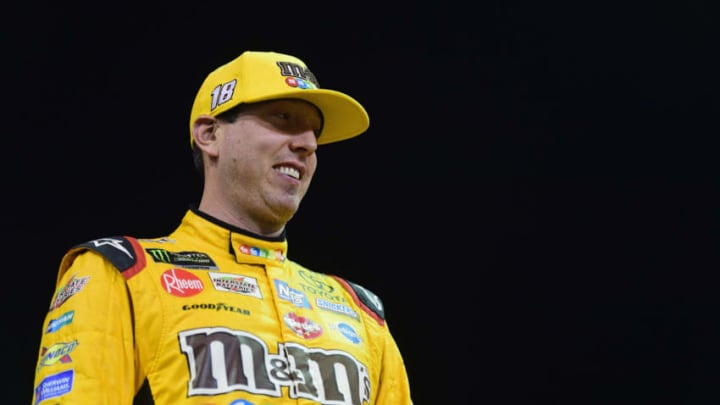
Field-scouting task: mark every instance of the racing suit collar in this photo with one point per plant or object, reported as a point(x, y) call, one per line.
point(244, 245)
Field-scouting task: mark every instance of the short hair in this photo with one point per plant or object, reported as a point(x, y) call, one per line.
point(230, 116)
point(227, 116)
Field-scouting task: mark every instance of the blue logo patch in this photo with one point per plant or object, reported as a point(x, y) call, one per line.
point(335, 307)
point(62, 320)
point(347, 331)
point(54, 386)
point(287, 293)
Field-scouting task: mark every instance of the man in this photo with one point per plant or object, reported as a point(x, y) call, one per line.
point(215, 312)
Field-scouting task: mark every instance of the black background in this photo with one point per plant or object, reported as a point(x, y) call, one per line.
point(535, 200)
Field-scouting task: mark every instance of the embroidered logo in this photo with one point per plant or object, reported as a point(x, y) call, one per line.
point(303, 327)
point(181, 283)
point(348, 331)
point(73, 286)
point(235, 283)
point(266, 253)
point(59, 352)
point(54, 385)
point(62, 320)
point(287, 293)
point(188, 260)
point(336, 307)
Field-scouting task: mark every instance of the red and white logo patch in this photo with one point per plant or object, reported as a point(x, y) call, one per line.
point(181, 283)
point(303, 327)
point(235, 283)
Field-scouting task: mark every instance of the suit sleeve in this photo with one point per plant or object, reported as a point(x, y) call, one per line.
point(394, 387)
point(394, 383)
point(86, 355)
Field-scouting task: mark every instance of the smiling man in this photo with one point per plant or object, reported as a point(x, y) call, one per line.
point(215, 311)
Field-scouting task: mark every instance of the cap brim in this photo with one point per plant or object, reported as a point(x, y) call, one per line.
point(343, 116)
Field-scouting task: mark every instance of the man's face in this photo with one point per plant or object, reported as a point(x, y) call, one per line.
point(266, 159)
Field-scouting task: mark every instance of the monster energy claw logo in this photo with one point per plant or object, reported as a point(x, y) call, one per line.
point(188, 260)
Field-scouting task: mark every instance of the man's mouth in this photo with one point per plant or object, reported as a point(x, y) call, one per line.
point(289, 171)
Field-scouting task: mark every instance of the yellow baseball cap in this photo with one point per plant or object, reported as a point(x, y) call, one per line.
point(259, 76)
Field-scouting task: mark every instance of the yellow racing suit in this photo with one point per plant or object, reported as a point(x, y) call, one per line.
point(211, 314)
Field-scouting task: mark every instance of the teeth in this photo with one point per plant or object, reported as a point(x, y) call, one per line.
point(289, 171)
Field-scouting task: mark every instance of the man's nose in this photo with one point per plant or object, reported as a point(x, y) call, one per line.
point(305, 140)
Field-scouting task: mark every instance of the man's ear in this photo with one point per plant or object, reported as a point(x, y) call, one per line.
point(204, 134)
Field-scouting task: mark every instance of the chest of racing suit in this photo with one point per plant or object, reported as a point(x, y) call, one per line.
point(211, 314)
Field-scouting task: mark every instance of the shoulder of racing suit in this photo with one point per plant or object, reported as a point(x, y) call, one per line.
point(124, 252)
point(364, 298)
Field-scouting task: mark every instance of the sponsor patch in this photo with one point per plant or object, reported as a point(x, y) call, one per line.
point(220, 306)
point(54, 386)
point(73, 286)
point(235, 283)
point(59, 352)
point(186, 259)
point(259, 252)
point(316, 284)
point(336, 307)
point(181, 283)
point(287, 293)
point(310, 374)
point(303, 327)
point(59, 322)
point(348, 331)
